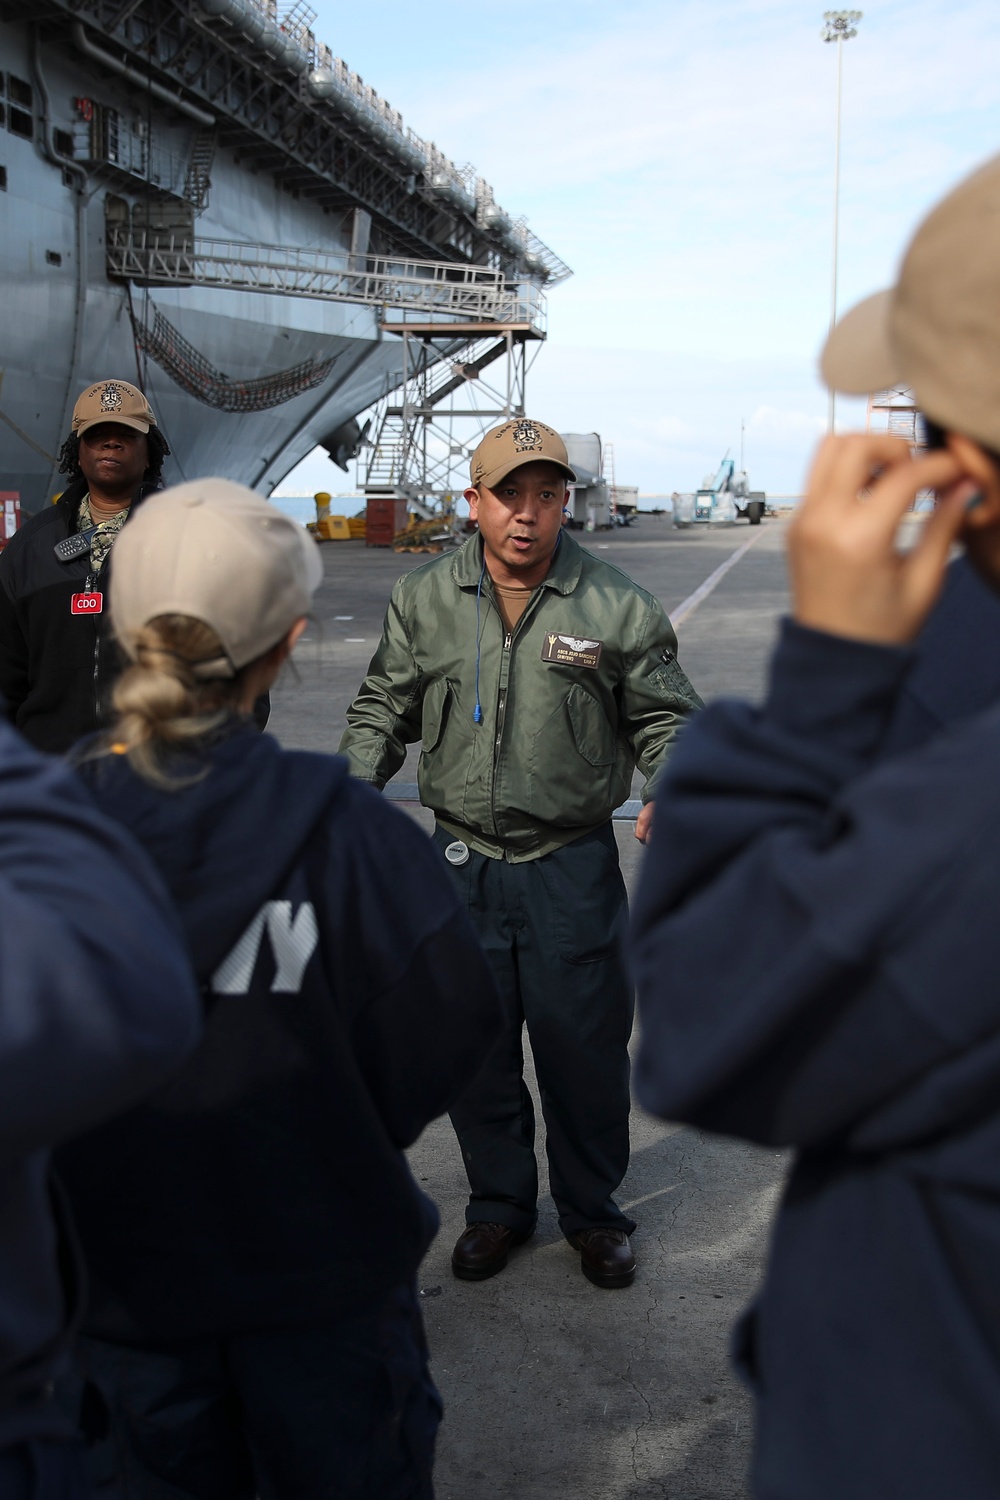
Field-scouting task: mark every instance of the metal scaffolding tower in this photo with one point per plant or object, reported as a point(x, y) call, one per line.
point(428, 426)
point(894, 411)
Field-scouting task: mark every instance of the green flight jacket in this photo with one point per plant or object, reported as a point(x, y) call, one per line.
point(587, 687)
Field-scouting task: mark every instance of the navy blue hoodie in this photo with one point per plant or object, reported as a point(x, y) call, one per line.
point(816, 951)
point(955, 671)
point(97, 1005)
point(349, 1005)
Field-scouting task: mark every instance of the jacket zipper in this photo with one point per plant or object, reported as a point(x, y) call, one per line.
point(501, 706)
point(89, 589)
point(508, 643)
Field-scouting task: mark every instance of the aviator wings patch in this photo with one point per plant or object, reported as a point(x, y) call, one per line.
point(571, 650)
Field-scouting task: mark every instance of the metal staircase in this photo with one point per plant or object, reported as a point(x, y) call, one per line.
point(428, 426)
point(199, 172)
point(894, 411)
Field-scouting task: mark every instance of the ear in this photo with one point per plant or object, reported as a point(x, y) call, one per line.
point(472, 500)
point(282, 651)
point(980, 468)
point(981, 525)
point(292, 638)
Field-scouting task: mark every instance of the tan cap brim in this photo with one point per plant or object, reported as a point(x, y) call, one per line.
point(859, 357)
point(112, 421)
point(494, 477)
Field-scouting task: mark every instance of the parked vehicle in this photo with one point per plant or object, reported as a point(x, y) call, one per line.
point(722, 500)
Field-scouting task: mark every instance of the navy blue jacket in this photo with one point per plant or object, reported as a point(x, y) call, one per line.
point(97, 1004)
point(57, 669)
point(816, 952)
point(955, 670)
point(349, 1005)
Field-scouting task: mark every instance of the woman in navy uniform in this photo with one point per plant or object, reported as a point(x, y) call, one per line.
point(253, 1233)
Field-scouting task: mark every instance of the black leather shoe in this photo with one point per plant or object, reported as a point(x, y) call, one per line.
point(606, 1256)
point(482, 1250)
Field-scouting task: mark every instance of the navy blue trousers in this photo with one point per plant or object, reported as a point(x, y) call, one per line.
point(553, 931)
point(43, 1470)
point(345, 1411)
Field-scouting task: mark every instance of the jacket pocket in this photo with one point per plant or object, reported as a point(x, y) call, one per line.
point(570, 764)
point(590, 726)
point(435, 711)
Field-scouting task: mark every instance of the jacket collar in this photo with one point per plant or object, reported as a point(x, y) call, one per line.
point(563, 575)
point(69, 500)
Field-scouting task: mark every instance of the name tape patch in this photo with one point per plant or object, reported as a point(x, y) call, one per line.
point(87, 604)
point(571, 651)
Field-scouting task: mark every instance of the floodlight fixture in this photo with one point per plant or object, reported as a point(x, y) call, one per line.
point(840, 25)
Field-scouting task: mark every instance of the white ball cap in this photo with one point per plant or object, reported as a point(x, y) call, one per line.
point(214, 551)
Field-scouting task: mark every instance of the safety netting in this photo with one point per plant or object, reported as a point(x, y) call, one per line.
point(193, 373)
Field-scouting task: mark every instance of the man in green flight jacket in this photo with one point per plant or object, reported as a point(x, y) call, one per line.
point(537, 677)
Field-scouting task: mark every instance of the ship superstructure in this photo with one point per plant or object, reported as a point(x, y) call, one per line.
point(196, 195)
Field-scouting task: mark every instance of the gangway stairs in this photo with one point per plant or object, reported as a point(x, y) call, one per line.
point(160, 257)
point(427, 428)
point(390, 463)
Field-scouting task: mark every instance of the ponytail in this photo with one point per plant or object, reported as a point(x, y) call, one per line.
point(161, 704)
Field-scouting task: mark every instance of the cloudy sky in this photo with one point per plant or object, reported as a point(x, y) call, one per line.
point(679, 156)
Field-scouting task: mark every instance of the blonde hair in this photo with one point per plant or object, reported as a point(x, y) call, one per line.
point(159, 701)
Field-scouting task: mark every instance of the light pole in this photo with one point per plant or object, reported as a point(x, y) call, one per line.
point(838, 26)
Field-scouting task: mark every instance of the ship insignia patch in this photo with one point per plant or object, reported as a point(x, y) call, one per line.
point(111, 397)
point(526, 437)
point(571, 651)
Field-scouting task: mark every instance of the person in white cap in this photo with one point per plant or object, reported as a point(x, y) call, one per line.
point(853, 1011)
point(253, 1233)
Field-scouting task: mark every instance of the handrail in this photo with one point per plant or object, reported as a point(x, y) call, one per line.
point(437, 287)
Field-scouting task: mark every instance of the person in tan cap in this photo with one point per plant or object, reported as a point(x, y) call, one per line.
point(537, 677)
point(815, 931)
point(56, 662)
point(252, 1234)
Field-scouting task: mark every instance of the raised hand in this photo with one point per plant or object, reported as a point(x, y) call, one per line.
point(848, 576)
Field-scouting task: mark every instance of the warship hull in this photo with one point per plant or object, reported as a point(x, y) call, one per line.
point(106, 142)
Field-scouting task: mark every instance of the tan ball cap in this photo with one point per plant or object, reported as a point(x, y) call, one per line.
point(513, 444)
point(113, 401)
point(219, 553)
point(938, 329)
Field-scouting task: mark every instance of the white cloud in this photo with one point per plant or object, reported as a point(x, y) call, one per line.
point(680, 158)
point(784, 426)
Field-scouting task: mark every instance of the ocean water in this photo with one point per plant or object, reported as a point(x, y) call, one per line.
point(302, 508)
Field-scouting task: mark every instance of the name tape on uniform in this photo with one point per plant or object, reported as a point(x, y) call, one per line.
point(571, 651)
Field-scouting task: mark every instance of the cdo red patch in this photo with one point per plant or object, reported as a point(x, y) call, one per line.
point(87, 604)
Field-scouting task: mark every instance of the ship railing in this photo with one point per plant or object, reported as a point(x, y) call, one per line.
point(163, 257)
